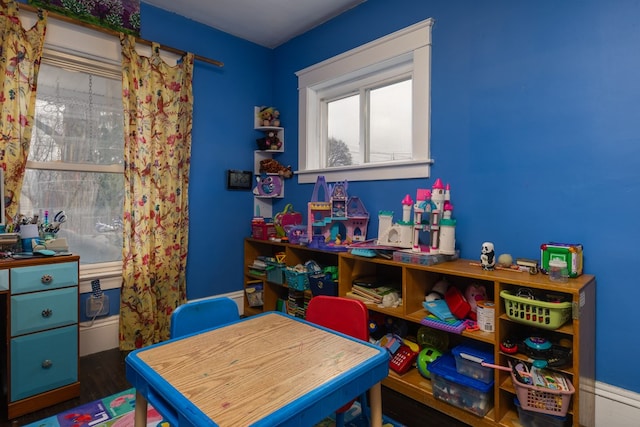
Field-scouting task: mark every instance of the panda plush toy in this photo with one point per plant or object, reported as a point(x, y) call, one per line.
point(488, 256)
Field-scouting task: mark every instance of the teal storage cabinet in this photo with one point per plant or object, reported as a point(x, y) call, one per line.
point(42, 350)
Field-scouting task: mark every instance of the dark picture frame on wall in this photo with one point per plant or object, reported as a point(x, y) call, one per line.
point(239, 180)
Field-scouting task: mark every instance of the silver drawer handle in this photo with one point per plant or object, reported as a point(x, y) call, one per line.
point(46, 364)
point(46, 279)
point(47, 312)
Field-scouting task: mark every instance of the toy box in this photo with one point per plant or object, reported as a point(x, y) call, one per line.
point(459, 390)
point(537, 419)
point(323, 284)
point(468, 361)
point(275, 271)
point(262, 230)
point(297, 280)
point(570, 253)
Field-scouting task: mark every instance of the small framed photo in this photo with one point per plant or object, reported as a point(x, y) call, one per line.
point(239, 180)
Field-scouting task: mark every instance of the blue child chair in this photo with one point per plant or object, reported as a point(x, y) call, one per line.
point(199, 315)
point(345, 315)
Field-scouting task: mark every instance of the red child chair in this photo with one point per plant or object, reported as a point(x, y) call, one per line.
point(348, 316)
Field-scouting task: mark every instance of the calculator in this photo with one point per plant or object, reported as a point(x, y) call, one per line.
point(402, 359)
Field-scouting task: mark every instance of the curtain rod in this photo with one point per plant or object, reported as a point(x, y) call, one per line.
point(115, 33)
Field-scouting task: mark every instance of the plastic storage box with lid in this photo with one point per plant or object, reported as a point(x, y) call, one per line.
point(457, 389)
point(537, 419)
point(469, 358)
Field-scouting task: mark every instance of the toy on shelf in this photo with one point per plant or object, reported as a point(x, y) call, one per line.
point(335, 219)
point(270, 141)
point(268, 116)
point(274, 167)
point(487, 256)
point(475, 293)
point(268, 186)
point(432, 213)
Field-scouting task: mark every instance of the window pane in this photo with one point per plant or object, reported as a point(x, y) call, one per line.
point(343, 130)
point(93, 206)
point(78, 118)
point(390, 123)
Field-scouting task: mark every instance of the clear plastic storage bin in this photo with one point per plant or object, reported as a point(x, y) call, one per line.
point(468, 361)
point(457, 389)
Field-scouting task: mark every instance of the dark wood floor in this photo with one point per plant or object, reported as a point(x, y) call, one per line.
point(103, 374)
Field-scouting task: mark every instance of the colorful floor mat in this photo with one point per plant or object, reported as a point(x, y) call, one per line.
point(118, 411)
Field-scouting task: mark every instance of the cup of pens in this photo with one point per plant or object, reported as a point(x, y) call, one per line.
point(28, 232)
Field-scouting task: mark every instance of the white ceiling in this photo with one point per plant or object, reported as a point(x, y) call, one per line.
point(268, 23)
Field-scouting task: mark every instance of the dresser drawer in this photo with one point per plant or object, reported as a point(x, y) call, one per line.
point(43, 310)
point(4, 280)
point(43, 277)
point(43, 361)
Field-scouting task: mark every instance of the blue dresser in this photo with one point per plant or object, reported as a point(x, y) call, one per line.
point(40, 297)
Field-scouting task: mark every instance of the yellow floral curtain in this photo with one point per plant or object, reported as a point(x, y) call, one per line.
point(158, 106)
point(20, 62)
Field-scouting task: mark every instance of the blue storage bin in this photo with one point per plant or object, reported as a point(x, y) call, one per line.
point(459, 390)
point(469, 358)
point(275, 272)
point(323, 284)
point(538, 419)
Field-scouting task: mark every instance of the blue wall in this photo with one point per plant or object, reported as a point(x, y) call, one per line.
point(536, 126)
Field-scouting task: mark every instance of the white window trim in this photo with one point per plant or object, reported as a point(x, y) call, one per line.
point(411, 44)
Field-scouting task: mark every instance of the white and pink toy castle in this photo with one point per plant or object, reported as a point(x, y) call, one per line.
point(432, 212)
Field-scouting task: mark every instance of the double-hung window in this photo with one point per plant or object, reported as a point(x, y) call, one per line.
point(75, 161)
point(365, 114)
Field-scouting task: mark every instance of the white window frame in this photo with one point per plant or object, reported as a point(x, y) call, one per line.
point(404, 51)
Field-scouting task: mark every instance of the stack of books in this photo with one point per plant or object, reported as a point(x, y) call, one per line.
point(258, 268)
point(372, 291)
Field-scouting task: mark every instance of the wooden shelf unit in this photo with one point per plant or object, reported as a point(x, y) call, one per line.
point(418, 280)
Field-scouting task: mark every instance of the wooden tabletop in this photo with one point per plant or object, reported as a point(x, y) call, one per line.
point(241, 373)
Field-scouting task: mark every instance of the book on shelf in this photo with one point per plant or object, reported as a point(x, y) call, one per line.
point(365, 300)
point(375, 294)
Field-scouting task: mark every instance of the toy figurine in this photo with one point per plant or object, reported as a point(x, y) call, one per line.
point(488, 256)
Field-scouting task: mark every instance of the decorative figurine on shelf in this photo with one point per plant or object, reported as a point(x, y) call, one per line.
point(488, 256)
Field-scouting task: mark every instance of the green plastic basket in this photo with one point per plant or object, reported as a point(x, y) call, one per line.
point(547, 315)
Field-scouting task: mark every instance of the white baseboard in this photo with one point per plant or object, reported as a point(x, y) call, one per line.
point(101, 336)
point(103, 333)
point(616, 406)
